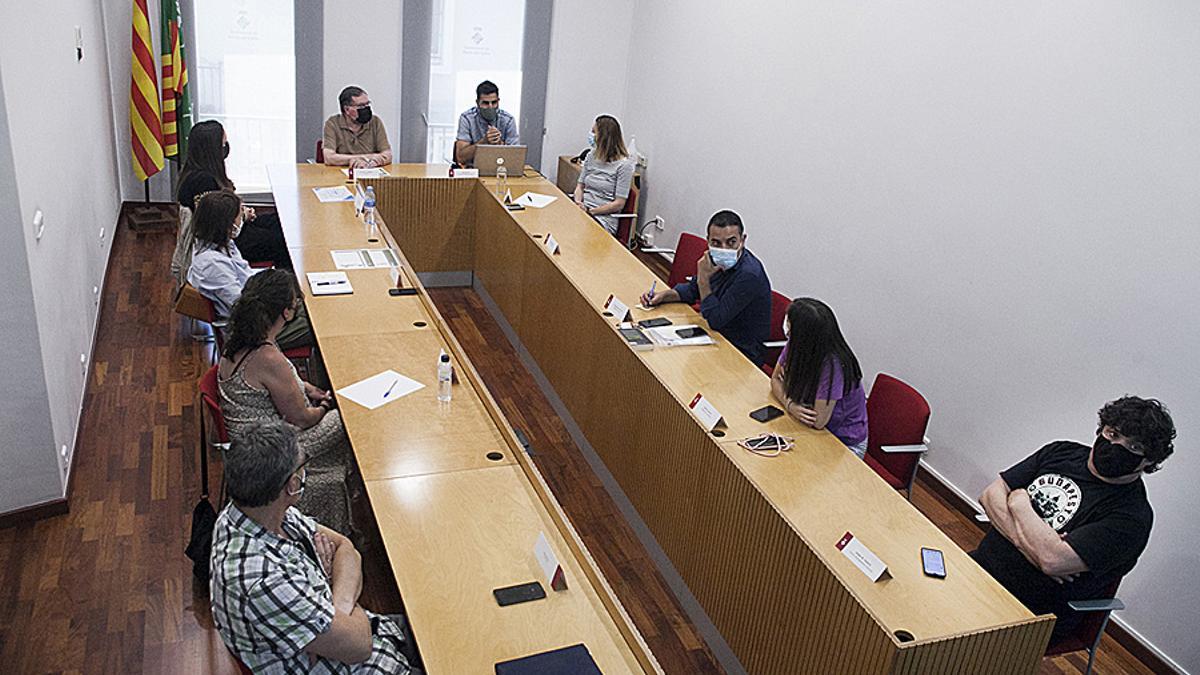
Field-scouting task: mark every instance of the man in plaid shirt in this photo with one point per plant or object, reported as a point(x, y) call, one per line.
point(285, 589)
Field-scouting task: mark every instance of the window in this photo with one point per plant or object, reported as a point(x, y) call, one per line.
point(472, 41)
point(246, 80)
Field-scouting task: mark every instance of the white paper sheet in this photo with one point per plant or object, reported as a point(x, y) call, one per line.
point(364, 258)
point(374, 172)
point(329, 283)
point(535, 200)
point(668, 337)
point(339, 193)
point(380, 389)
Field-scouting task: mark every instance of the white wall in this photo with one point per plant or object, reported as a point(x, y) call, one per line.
point(1000, 201)
point(59, 114)
point(589, 60)
point(366, 54)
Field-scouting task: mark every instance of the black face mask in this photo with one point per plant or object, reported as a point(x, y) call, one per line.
point(1112, 460)
point(364, 114)
point(225, 149)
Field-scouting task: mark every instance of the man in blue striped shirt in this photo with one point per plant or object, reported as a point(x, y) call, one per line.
point(485, 124)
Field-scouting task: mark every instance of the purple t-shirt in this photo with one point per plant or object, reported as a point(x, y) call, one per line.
point(848, 421)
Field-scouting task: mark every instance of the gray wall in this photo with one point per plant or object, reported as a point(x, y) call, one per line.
point(62, 159)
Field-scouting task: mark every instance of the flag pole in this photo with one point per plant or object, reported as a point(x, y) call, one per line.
point(146, 183)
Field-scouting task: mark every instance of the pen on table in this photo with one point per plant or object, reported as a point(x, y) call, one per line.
point(330, 283)
point(385, 394)
point(650, 295)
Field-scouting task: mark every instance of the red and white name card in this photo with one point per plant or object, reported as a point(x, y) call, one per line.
point(549, 563)
point(464, 173)
point(550, 244)
point(706, 413)
point(618, 309)
point(862, 557)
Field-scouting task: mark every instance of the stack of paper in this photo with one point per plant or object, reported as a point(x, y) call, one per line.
point(364, 258)
point(668, 336)
point(329, 283)
point(364, 172)
point(339, 193)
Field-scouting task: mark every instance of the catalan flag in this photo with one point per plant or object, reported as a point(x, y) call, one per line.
point(176, 104)
point(144, 122)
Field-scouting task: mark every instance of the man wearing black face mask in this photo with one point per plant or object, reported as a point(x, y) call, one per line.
point(485, 124)
point(1069, 520)
point(355, 137)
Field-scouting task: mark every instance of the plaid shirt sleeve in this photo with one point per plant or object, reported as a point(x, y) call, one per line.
point(289, 610)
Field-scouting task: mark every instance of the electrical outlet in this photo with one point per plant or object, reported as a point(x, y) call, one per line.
point(83, 364)
point(63, 451)
point(102, 237)
point(78, 43)
point(96, 295)
point(39, 224)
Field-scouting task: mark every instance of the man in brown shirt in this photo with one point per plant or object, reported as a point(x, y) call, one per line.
point(355, 137)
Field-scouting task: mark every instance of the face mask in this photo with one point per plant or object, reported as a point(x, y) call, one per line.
point(364, 114)
point(591, 139)
point(225, 149)
point(489, 114)
point(787, 328)
point(1112, 460)
point(237, 229)
point(303, 483)
point(723, 257)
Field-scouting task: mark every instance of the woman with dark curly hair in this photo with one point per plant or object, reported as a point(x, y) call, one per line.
point(1070, 520)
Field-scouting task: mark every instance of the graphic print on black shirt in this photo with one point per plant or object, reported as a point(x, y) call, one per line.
point(1106, 525)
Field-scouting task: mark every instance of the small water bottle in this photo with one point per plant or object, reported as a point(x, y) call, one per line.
point(501, 178)
point(369, 215)
point(445, 374)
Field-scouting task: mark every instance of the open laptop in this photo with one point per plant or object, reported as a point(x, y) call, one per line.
point(514, 159)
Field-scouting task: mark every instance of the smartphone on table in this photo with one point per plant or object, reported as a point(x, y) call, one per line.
point(933, 563)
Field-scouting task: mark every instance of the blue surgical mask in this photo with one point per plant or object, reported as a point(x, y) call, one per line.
point(724, 257)
point(591, 139)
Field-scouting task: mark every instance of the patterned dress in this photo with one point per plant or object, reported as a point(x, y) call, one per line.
point(326, 495)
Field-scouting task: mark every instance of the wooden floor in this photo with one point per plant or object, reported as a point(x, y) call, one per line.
point(106, 588)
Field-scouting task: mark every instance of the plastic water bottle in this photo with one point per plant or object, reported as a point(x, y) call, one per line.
point(501, 178)
point(445, 373)
point(369, 215)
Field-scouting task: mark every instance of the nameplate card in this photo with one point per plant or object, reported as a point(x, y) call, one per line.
point(862, 557)
point(464, 173)
point(549, 563)
point(550, 244)
point(618, 309)
point(706, 413)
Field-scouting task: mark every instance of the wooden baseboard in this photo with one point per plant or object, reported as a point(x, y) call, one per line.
point(54, 507)
point(1123, 637)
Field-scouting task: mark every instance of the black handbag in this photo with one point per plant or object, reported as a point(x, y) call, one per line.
point(204, 516)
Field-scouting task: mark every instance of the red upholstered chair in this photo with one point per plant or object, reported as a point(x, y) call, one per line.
point(320, 151)
point(1086, 636)
point(627, 219)
point(210, 401)
point(687, 252)
point(774, 346)
point(897, 416)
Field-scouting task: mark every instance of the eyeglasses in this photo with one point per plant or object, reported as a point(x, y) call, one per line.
point(767, 445)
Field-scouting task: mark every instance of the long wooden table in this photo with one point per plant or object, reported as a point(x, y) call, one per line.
point(753, 537)
point(458, 503)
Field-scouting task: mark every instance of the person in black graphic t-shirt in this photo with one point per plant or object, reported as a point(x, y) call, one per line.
point(1069, 520)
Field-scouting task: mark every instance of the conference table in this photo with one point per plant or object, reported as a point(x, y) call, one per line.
point(459, 504)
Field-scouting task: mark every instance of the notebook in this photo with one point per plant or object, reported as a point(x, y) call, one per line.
point(329, 283)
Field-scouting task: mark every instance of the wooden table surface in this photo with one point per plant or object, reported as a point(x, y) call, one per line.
point(459, 508)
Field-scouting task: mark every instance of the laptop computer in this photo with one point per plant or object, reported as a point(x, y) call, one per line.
point(513, 155)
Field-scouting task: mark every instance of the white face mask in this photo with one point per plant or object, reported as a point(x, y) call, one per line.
point(787, 328)
point(237, 229)
point(591, 139)
point(303, 483)
point(724, 258)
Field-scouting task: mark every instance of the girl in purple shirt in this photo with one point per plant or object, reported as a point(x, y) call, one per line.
point(818, 379)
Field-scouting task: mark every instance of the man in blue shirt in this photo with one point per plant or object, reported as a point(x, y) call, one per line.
point(731, 286)
point(485, 124)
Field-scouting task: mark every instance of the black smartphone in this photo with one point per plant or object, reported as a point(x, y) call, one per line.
point(402, 291)
point(514, 207)
point(933, 563)
point(691, 332)
point(511, 595)
point(766, 413)
point(655, 322)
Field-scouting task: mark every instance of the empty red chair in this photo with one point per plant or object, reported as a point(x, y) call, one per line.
point(897, 416)
point(777, 341)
